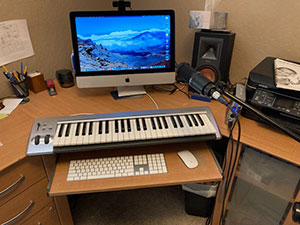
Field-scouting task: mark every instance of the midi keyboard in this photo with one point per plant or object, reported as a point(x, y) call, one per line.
point(124, 129)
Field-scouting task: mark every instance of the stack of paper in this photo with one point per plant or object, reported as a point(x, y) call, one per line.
point(287, 75)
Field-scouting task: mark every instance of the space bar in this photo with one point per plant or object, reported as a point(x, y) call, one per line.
point(100, 176)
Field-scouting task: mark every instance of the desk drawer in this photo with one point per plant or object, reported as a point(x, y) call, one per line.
point(47, 216)
point(26, 204)
point(18, 177)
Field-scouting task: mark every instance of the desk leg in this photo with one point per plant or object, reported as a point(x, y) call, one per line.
point(216, 217)
point(61, 202)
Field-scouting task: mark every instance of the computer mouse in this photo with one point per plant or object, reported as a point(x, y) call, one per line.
point(188, 158)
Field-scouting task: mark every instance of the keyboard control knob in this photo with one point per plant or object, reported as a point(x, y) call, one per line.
point(47, 138)
point(37, 139)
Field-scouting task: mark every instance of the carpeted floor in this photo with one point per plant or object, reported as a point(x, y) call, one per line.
point(150, 206)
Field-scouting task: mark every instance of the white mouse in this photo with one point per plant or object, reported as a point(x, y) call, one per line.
point(188, 158)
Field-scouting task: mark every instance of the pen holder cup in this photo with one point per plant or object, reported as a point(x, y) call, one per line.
point(21, 89)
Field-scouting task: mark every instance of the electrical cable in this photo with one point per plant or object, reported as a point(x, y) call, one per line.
point(229, 166)
point(231, 169)
point(156, 105)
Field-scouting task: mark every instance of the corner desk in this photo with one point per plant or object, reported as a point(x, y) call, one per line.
point(26, 180)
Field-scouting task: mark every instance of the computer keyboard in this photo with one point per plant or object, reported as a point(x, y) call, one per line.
point(122, 166)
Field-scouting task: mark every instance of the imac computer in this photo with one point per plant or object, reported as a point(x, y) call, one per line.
point(123, 49)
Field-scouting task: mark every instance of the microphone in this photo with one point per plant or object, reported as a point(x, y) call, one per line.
point(199, 82)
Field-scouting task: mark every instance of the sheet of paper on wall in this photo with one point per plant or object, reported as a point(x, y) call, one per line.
point(15, 43)
point(287, 75)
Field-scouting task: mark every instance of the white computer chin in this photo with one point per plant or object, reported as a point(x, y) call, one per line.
point(127, 84)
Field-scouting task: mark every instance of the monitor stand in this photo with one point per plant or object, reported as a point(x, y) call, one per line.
point(131, 91)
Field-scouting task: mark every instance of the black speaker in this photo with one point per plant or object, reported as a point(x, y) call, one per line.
point(212, 54)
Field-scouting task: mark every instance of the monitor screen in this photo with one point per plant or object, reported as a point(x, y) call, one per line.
point(138, 45)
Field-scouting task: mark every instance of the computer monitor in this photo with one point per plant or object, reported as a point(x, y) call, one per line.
point(123, 49)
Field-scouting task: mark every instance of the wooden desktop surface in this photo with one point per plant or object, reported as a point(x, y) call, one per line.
point(15, 129)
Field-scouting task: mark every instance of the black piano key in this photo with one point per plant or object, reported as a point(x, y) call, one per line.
point(68, 130)
point(188, 120)
point(179, 121)
point(144, 124)
point(91, 128)
point(165, 122)
point(61, 130)
point(116, 126)
point(200, 120)
point(194, 120)
point(153, 123)
point(100, 127)
point(138, 126)
point(173, 122)
point(158, 123)
point(77, 129)
point(122, 126)
point(128, 125)
point(84, 129)
point(107, 127)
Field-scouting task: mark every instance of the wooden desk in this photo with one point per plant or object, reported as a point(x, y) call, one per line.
point(15, 129)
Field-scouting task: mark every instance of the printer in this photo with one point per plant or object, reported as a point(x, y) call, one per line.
point(281, 105)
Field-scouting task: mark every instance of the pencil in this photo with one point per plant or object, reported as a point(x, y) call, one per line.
point(5, 69)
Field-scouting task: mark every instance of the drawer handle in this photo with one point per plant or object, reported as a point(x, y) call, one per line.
point(20, 214)
point(22, 177)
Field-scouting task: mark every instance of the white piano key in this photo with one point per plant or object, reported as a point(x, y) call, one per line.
point(187, 130)
point(114, 134)
point(165, 130)
point(126, 134)
point(103, 135)
point(56, 138)
point(172, 131)
point(178, 129)
point(73, 135)
point(137, 134)
point(121, 134)
point(208, 124)
point(142, 132)
point(158, 131)
point(150, 132)
point(132, 135)
point(61, 140)
point(69, 138)
point(194, 127)
point(85, 140)
point(147, 131)
point(109, 136)
point(96, 134)
point(181, 130)
point(92, 138)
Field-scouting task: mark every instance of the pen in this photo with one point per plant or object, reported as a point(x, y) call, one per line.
point(21, 68)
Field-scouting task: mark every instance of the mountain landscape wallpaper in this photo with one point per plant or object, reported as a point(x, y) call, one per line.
point(123, 42)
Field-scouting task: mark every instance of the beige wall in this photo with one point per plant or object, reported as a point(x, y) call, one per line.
point(263, 28)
